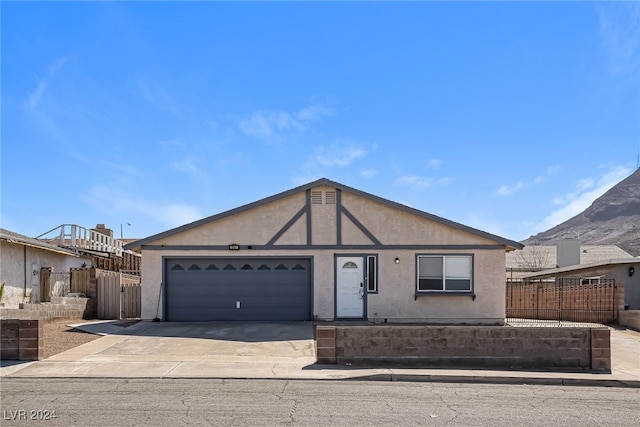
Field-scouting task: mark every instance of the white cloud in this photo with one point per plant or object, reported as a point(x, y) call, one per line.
point(314, 112)
point(331, 156)
point(188, 166)
point(266, 125)
point(434, 164)
point(338, 155)
point(587, 190)
point(177, 214)
point(272, 126)
point(620, 34)
point(508, 190)
point(542, 178)
point(368, 173)
point(112, 199)
point(157, 95)
point(170, 143)
point(414, 181)
point(34, 98)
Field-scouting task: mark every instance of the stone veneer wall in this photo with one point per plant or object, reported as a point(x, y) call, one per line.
point(489, 347)
point(21, 339)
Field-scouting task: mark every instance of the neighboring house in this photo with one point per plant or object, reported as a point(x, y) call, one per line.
point(324, 251)
point(534, 258)
point(21, 259)
point(625, 271)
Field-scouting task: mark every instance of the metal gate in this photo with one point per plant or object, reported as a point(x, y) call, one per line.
point(564, 299)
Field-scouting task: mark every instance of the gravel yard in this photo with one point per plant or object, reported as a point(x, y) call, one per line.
point(59, 337)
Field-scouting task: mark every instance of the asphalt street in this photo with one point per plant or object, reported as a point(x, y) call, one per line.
point(226, 402)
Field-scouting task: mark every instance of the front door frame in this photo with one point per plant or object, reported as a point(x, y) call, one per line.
point(363, 257)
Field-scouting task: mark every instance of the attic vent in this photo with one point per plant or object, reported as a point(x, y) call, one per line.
point(330, 197)
point(316, 197)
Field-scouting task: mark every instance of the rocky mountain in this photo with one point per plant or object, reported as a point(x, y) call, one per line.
point(612, 219)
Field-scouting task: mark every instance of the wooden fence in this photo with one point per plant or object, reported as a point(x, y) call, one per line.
point(118, 295)
point(565, 299)
point(53, 283)
point(80, 280)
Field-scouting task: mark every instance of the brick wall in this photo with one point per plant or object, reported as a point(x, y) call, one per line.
point(21, 339)
point(495, 347)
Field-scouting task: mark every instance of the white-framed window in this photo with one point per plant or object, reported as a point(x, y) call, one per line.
point(590, 281)
point(372, 274)
point(444, 273)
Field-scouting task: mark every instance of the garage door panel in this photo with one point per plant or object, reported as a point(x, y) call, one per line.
point(201, 289)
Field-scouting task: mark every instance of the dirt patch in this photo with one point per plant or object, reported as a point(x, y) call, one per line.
point(59, 337)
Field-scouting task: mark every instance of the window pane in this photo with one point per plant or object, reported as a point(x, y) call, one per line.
point(371, 274)
point(458, 267)
point(430, 266)
point(430, 284)
point(458, 285)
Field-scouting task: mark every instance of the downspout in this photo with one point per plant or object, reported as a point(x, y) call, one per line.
point(24, 293)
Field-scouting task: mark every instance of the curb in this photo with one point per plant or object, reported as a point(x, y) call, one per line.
point(453, 379)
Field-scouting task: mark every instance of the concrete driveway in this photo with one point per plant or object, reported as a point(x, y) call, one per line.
point(185, 349)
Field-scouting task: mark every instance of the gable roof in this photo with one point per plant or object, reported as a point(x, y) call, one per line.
point(13, 237)
point(510, 244)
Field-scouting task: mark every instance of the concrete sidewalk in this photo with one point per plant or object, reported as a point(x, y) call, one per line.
point(165, 350)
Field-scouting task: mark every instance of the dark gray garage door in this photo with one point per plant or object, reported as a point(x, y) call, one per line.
point(202, 289)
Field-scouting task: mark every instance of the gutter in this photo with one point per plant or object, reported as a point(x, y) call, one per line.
point(44, 248)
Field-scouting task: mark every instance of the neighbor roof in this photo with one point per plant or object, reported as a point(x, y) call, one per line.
point(545, 257)
point(571, 268)
point(510, 244)
point(20, 239)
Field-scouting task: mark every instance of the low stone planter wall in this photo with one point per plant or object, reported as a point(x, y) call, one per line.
point(484, 347)
point(21, 339)
point(58, 308)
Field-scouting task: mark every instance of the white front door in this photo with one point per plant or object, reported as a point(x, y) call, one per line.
point(350, 287)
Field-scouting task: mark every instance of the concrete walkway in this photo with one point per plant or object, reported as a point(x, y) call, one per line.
point(273, 351)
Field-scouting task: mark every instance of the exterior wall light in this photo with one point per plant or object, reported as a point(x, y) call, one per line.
point(631, 271)
point(397, 260)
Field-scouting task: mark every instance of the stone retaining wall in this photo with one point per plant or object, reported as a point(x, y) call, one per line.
point(488, 347)
point(58, 308)
point(21, 339)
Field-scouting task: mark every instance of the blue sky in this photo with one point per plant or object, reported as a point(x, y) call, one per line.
point(507, 117)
